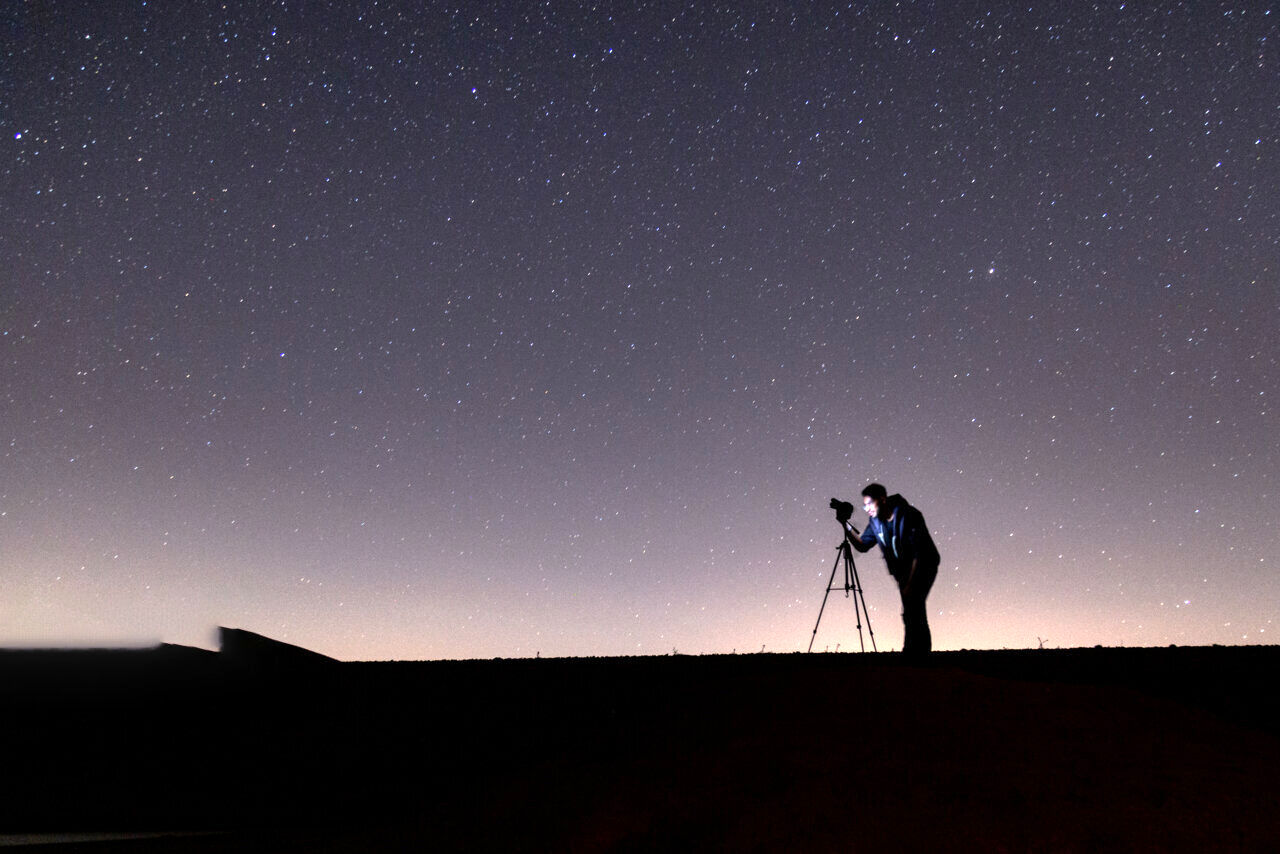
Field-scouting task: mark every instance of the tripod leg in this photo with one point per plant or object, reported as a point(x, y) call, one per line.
point(857, 586)
point(830, 581)
point(851, 583)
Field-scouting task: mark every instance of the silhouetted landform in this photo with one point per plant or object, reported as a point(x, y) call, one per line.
point(246, 648)
point(267, 747)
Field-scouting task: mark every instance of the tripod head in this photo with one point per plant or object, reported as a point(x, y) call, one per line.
point(844, 512)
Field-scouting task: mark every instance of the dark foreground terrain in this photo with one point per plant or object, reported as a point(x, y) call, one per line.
point(264, 747)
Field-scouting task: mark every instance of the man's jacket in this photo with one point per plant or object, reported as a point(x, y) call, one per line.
point(900, 531)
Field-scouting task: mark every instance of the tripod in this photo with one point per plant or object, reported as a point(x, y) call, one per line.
point(851, 583)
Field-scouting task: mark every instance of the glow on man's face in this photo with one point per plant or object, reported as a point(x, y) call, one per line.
point(870, 505)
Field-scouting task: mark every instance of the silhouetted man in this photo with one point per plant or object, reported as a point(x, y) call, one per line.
point(912, 558)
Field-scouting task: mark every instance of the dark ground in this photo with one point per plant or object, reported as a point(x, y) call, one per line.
point(273, 749)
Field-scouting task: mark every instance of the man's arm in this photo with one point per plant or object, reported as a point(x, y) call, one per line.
point(915, 536)
point(911, 574)
point(862, 542)
point(916, 539)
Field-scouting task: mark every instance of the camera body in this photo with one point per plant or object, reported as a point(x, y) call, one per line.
point(844, 510)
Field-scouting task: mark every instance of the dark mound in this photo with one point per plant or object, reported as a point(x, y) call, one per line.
point(272, 749)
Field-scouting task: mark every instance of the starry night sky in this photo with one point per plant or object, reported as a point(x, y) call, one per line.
point(476, 332)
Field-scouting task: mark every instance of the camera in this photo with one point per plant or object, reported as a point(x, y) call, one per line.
point(844, 510)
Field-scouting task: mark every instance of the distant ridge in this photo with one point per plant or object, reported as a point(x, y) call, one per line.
point(238, 646)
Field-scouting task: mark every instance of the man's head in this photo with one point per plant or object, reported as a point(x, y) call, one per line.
point(873, 496)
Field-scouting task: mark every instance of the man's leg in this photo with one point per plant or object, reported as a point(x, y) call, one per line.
point(910, 621)
point(917, 639)
point(915, 627)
